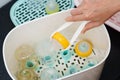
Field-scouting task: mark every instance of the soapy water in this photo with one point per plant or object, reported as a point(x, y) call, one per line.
point(44, 63)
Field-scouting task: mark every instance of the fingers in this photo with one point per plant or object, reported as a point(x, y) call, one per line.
point(90, 25)
point(76, 15)
point(80, 17)
point(79, 14)
point(76, 11)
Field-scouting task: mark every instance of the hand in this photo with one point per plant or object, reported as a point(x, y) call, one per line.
point(95, 11)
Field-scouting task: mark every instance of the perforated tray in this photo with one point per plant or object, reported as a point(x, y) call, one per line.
point(27, 10)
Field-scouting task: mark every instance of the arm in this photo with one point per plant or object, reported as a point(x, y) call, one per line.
point(95, 11)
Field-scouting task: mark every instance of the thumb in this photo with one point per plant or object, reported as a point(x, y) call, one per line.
point(90, 25)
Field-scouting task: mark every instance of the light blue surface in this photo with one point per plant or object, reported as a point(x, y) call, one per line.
point(27, 10)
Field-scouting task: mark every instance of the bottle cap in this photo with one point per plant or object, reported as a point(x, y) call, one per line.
point(83, 48)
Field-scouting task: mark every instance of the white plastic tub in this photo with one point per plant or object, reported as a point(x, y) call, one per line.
point(35, 31)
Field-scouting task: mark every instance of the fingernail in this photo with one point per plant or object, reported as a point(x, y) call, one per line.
point(83, 31)
point(68, 19)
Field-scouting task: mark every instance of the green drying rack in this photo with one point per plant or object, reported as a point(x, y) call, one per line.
point(27, 10)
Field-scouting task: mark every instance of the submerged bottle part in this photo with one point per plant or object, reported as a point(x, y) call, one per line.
point(93, 61)
point(66, 54)
point(23, 52)
point(72, 69)
point(49, 74)
point(52, 6)
point(26, 74)
point(49, 63)
point(45, 48)
point(33, 61)
point(49, 60)
point(30, 63)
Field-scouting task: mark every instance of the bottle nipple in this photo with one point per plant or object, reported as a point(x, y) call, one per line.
point(52, 7)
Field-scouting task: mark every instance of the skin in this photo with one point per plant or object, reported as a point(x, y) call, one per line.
point(95, 11)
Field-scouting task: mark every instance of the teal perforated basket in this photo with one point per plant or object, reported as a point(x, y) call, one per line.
point(27, 10)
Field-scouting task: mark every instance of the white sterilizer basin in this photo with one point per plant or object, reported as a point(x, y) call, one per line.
point(43, 62)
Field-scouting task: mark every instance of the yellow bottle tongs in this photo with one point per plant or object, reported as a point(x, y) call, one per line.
point(83, 49)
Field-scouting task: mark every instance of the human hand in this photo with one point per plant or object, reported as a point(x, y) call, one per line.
point(95, 11)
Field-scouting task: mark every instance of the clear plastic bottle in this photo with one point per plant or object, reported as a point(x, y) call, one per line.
point(23, 52)
point(49, 74)
point(47, 50)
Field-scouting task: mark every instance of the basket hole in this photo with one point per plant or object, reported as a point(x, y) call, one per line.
point(56, 65)
point(62, 63)
point(60, 57)
point(72, 63)
point(62, 73)
point(58, 71)
point(66, 65)
point(64, 69)
point(74, 59)
point(84, 59)
point(58, 62)
point(70, 49)
point(82, 63)
point(68, 61)
point(38, 71)
point(65, 52)
point(81, 66)
point(76, 56)
point(78, 61)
